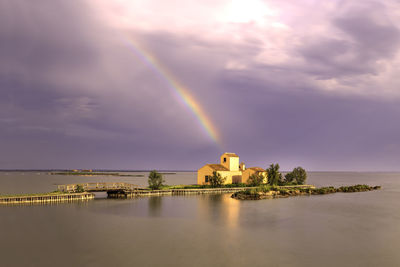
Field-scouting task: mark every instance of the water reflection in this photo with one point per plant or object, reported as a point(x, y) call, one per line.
point(359, 229)
point(220, 209)
point(155, 206)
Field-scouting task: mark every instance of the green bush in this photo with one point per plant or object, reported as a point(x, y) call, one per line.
point(265, 188)
point(79, 188)
point(355, 188)
point(216, 180)
point(255, 179)
point(155, 180)
point(297, 176)
point(235, 185)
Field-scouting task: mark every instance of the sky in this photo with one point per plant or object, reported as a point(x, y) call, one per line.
point(171, 85)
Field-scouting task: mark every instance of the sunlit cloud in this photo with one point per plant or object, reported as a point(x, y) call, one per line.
point(281, 33)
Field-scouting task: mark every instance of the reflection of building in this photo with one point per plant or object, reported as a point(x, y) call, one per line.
point(220, 209)
point(230, 169)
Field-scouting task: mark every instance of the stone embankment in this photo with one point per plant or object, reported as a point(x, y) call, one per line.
point(280, 192)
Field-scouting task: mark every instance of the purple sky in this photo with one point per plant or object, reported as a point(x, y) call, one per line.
point(313, 83)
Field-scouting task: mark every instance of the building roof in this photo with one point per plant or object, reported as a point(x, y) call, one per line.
point(217, 167)
point(230, 154)
point(259, 169)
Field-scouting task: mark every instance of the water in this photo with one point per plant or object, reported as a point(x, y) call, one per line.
point(355, 229)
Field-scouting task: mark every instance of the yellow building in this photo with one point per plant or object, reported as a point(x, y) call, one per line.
point(228, 168)
point(254, 170)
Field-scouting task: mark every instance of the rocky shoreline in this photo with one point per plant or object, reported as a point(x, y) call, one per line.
point(268, 192)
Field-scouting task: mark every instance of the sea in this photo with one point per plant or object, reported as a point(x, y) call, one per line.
point(342, 229)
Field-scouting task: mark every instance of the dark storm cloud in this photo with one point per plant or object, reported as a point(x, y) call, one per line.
point(74, 94)
point(64, 92)
point(44, 35)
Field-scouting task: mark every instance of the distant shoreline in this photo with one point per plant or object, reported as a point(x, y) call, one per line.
point(173, 171)
point(104, 171)
point(96, 174)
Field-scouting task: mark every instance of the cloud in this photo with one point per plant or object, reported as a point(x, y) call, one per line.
point(328, 45)
point(64, 81)
point(366, 43)
point(303, 82)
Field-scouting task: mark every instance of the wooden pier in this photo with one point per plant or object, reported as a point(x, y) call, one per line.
point(46, 198)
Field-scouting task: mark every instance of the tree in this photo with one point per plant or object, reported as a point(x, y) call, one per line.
point(79, 188)
point(216, 180)
point(155, 180)
point(255, 179)
point(274, 176)
point(289, 178)
point(298, 175)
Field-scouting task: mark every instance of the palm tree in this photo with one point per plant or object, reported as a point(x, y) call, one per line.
point(274, 176)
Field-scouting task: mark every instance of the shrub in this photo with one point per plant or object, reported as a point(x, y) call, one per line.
point(265, 188)
point(355, 188)
point(297, 176)
point(79, 188)
point(255, 179)
point(324, 190)
point(235, 185)
point(216, 180)
point(155, 180)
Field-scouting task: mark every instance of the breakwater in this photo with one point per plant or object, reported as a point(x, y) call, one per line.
point(268, 192)
point(46, 198)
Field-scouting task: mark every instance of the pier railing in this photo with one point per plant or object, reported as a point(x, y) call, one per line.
point(97, 187)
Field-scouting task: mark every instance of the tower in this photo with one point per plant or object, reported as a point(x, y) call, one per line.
point(230, 161)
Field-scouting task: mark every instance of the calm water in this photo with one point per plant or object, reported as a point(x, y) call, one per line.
point(357, 229)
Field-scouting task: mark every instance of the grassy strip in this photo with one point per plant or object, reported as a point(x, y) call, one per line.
point(197, 186)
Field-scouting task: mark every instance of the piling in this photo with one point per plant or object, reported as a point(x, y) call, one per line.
point(46, 198)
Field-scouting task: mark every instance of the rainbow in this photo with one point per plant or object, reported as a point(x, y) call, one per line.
point(178, 89)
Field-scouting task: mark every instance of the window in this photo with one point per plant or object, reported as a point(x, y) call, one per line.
point(224, 160)
point(207, 178)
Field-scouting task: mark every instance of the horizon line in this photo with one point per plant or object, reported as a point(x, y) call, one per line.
point(164, 170)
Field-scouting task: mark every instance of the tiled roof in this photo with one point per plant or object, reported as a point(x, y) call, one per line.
point(257, 169)
point(230, 154)
point(217, 167)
